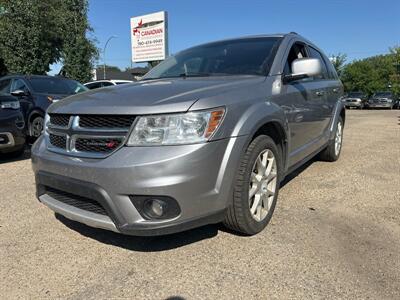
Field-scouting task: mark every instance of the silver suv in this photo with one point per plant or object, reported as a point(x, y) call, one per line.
point(207, 136)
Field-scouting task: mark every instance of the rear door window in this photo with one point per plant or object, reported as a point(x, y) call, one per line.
point(331, 70)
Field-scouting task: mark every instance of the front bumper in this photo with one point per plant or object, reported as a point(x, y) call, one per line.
point(353, 104)
point(199, 177)
point(12, 137)
point(380, 105)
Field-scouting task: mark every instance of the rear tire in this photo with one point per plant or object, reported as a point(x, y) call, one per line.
point(256, 187)
point(334, 148)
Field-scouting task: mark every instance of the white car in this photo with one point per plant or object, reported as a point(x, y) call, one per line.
point(107, 82)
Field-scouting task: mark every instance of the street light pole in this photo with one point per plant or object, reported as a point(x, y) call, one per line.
point(104, 55)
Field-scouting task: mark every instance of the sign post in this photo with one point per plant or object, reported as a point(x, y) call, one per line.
point(149, 37)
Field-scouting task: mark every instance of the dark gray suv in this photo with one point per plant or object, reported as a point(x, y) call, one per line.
point(207, 136)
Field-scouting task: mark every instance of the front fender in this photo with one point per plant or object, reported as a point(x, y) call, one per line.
point(258, 115)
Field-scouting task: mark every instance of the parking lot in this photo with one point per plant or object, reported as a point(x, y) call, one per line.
point(335, 234)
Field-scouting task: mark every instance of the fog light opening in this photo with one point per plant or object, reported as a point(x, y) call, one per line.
point(155, 208)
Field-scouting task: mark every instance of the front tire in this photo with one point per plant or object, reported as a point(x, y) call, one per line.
point(256, 187)
point(332, 151)
point(36, 126)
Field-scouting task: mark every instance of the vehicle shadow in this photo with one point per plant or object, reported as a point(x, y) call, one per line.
point(289, 177)
point(143, 244)
point(11, 157)
point(166, 242)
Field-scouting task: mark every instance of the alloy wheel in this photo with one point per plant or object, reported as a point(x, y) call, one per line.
point(263, 183)
point(338, 138)
point(37, 126)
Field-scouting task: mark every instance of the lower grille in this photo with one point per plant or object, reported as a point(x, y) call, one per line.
point(103, 145)
point(58, 141)
point(76, 201)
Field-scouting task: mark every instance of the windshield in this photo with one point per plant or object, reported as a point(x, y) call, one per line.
point(355, 94)
point(56, 86)
point(383, 94)
point(251, 56)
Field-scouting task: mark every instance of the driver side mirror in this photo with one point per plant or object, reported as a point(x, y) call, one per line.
point(304, 68)
point(19, 93)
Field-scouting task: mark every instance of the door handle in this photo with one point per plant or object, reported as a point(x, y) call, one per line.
point(319, 93)
point(335, 90)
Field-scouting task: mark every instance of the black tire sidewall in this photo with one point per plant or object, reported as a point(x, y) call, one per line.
point(258, 145)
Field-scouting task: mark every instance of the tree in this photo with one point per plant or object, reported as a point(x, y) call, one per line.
point(78, 51)
point(370, 74)
point(37, 33)
point(395, 77)
point(338, 61)
point(109, 68)
point(28, 42)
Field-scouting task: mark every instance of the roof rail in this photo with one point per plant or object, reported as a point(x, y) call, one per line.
point(292, 32)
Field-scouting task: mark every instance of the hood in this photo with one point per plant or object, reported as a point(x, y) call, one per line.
point(151, 97)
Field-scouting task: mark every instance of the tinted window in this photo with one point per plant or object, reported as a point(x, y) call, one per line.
point(332, 74)
point(121, 82)
point(315, 54)
point(94, 85)
point(356, 94)
point(383, 94)
point(297, 51)
point(250, 56)
point(56, 86)
point(19, 84)
point(5, 86)
point(105, 83)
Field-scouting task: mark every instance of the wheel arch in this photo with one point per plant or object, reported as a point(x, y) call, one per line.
point(276, 131)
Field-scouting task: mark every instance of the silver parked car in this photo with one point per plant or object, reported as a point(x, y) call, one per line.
point(355, 100)
point(382, 100)
point(207, 136)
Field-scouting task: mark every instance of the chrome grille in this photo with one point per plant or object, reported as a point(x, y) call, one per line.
point(93, 136)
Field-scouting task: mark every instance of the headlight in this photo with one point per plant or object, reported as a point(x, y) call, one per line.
point(176, 129)
point(10, 104)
